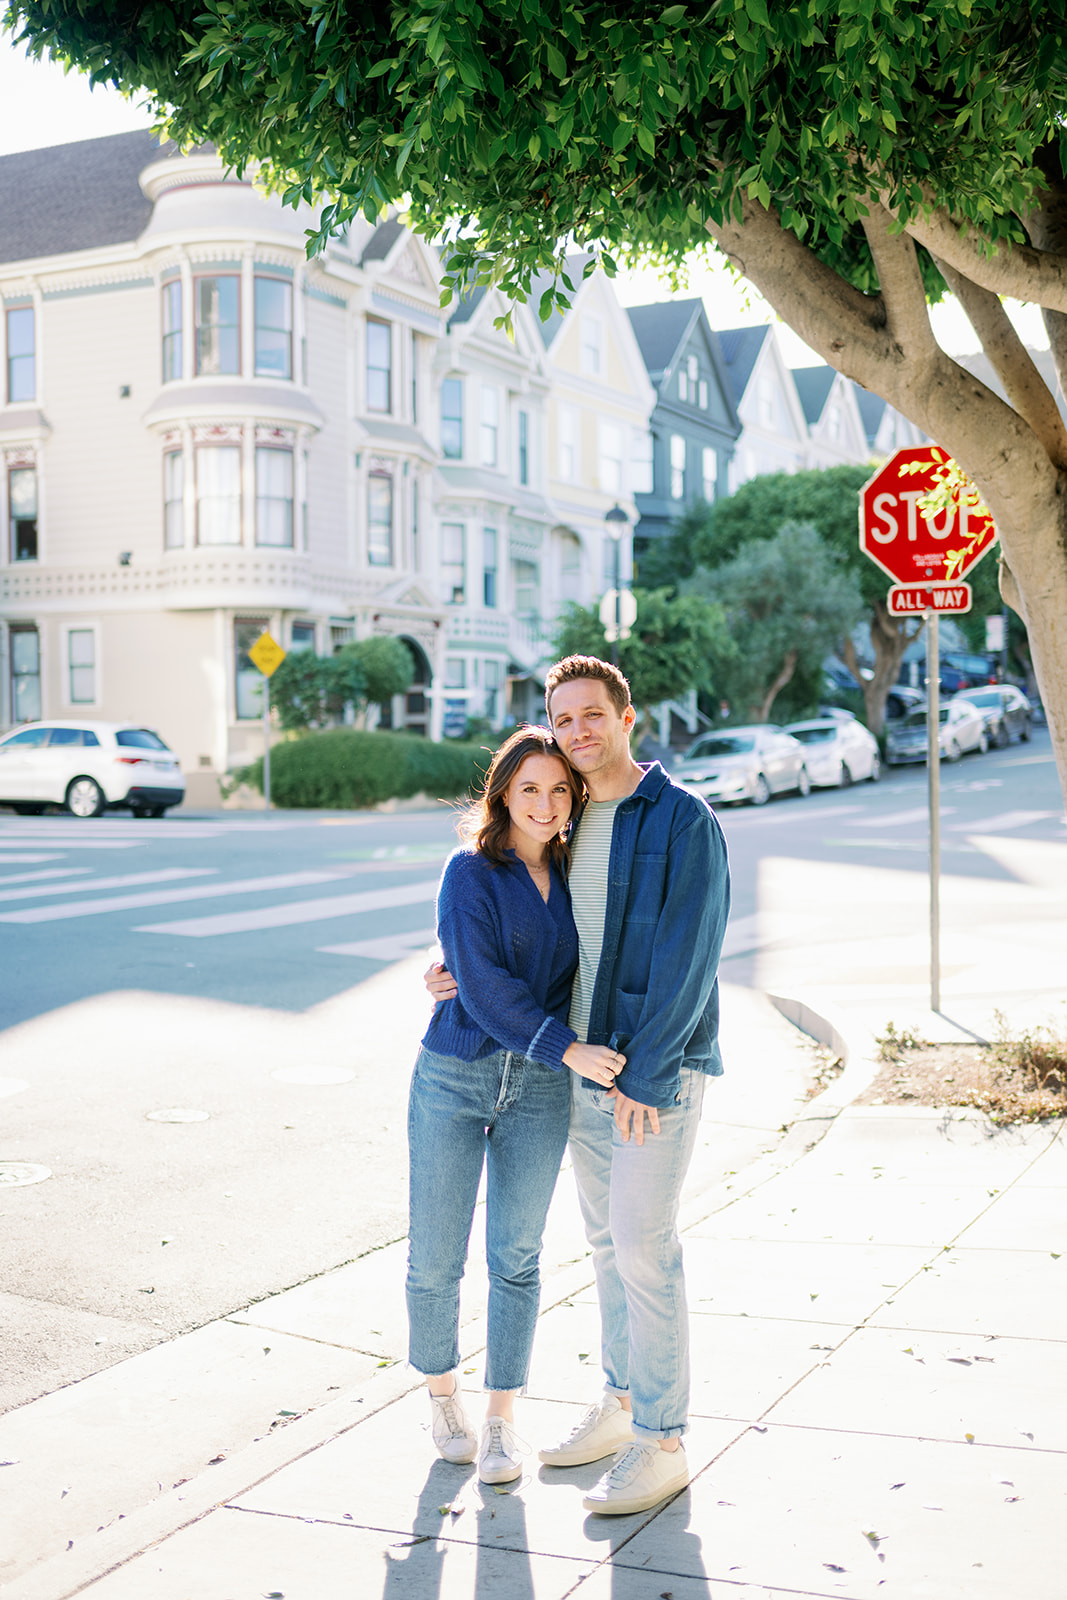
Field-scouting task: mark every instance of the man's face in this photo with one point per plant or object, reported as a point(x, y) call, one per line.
point(589, 730)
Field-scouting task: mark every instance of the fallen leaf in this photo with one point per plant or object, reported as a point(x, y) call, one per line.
point(961, 1361)
point(214, 1462)
point(501, 1488)
point(831, 1566)
point(1027, 1435)
point(1012, 1499)
point(896, 1486)
point(12, 1461)
point(969, 1437)
point(813, 1296)
point(759, 1427)
point(146, 1291)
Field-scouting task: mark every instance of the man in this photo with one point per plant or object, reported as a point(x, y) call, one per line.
point(649, 887)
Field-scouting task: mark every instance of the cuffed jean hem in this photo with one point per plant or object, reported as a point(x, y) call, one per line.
point(665, 1433)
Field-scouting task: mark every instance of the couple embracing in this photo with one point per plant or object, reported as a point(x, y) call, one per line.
point(581, 926)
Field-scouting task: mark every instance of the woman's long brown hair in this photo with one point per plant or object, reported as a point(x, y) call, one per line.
point(486, 823)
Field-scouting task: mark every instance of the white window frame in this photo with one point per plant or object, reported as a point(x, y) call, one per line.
point(67, 632)
point(643, 462)
point(569, 441)
point(709, 474)
point(610, 463)
point(489, 426)
point(34, 397)
point(373, 558)
point(455, 594)
point(220, 544)
point(678, 449)
point(177, 501)
point(387, 409)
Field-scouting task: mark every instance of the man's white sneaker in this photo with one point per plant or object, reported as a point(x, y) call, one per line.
point(640, 1477)
point(605, 1428)
point(453, 1435)
point(499, 1457)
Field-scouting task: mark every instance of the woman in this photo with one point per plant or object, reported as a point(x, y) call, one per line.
point(489, 1085)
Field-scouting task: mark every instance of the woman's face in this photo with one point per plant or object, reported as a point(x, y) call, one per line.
point(538, 800)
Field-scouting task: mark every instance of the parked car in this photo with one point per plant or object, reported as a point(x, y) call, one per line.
point(88, 767)
point(744, 764)
point(900, 700)
point(1007, 712)
point(837, 750)
point(958, 670)
point(962, 727)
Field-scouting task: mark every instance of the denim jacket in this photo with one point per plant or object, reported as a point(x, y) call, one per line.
point(656, 996)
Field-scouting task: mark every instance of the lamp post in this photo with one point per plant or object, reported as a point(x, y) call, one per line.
point(616, 520)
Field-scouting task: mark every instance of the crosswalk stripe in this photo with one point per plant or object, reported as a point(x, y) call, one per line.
point(284, 916)
point(1003, 822)
point(392, 948)
point(899, 818)
point(125, 881)
point(46, 872)
point(62, 842)
point(162, 897)
point(22, 860)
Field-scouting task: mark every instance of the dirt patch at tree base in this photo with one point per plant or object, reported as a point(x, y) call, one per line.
point(1001, 1079)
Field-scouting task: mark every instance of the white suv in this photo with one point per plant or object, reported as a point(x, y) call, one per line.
point(87, 767)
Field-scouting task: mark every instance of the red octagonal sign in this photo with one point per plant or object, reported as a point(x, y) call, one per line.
point(906, 543)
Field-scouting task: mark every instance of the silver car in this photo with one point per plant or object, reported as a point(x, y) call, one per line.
point(838, 751)
point(744, 764)
point(962, 728)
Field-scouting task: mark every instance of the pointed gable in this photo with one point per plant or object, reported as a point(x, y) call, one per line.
point(813, 387)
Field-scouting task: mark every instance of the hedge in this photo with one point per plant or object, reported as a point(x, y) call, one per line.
point(344, 768)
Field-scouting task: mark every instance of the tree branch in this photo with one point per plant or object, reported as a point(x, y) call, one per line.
point(1012, 363)
point(1018, 270)
point(907, 317)
point(982, 432)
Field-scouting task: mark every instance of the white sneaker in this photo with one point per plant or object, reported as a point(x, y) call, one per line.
point(640, 1477)
point(605, 1428)
point(453, 1435)
point(499, 1457)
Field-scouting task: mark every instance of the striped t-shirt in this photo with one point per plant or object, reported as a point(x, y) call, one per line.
point(588, 882)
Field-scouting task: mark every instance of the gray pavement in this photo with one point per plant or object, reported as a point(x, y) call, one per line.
point(877, 1301)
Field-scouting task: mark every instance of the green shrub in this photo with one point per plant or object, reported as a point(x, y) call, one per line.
point(345, 768)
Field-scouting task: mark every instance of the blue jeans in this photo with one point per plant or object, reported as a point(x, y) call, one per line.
point(629, 1195)
point(511, 1113)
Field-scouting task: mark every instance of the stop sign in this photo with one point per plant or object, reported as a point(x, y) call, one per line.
point(906, 543)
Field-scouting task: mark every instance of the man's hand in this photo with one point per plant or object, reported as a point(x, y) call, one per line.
point(631, 1112)
point(440, 982)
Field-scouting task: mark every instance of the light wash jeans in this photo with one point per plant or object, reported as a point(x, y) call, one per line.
point(511, 1113)
point(629, 1195)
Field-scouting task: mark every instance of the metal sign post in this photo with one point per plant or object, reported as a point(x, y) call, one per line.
point(933, 764)
point(266, 655)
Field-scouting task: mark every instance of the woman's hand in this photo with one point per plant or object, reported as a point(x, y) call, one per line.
point(440, 982)
point(594, 1061)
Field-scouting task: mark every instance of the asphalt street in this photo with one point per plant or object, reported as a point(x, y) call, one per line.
point(208, 1022)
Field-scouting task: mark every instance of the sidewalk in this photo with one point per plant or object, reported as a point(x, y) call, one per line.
point(879, 1407)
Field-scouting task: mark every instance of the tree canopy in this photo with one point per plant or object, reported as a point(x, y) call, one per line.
point(851, 157)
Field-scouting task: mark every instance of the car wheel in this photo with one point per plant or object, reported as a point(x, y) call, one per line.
point(85, 798)
point(876, 767)
point(1024, 732)
point(844, 777)
point(1003, 737)
point(803, 782)
point(952, 751)
point(983, 742)
point(761, 790)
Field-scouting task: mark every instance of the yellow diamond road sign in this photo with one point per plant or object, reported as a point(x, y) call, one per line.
point(266, 654)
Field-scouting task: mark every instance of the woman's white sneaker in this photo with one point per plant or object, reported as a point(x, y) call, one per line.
point(605, 1428)
point(453, 1435)
point(640, 1477)
point(499, 1459)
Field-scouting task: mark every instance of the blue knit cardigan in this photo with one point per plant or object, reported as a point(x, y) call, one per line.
point(513, 958)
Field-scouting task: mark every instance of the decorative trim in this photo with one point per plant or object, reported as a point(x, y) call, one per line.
point(313, 292)
point(20, 455)
point(265, 434)
point(218, 433)
point(112, 286)
point(415, 311)
point(279, 269)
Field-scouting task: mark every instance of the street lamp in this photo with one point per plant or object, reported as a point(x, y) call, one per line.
point(616, 520)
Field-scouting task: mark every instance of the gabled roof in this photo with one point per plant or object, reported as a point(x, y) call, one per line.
point(740, 351)
point(466, 305)
point(79, 196)
point(660, 329)
point(381, 241)
point(872, 410)
point(813, 386)
point(574, 267)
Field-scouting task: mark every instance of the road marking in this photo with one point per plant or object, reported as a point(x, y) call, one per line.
point(919, 845)
point(48, 872)
point(1001, 823)
point(62, 842)
point(341, 905)
point(125, 881)
point(393, 948)
point(900, 819)
point(162, 897)
point(24, 860)
point(1029, 761)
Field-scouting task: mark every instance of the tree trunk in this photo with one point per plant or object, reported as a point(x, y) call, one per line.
point(889, 640)
point(762, 713)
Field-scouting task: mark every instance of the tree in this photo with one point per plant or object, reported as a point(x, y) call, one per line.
point(787, 603)
point(851, 157)
point(309, 691)
point(382, 663)
point(677, 644)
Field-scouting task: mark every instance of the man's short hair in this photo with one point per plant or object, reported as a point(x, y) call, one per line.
point(574, 668)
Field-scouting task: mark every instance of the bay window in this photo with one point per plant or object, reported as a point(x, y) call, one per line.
point(218, 494)
point(274, 496)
